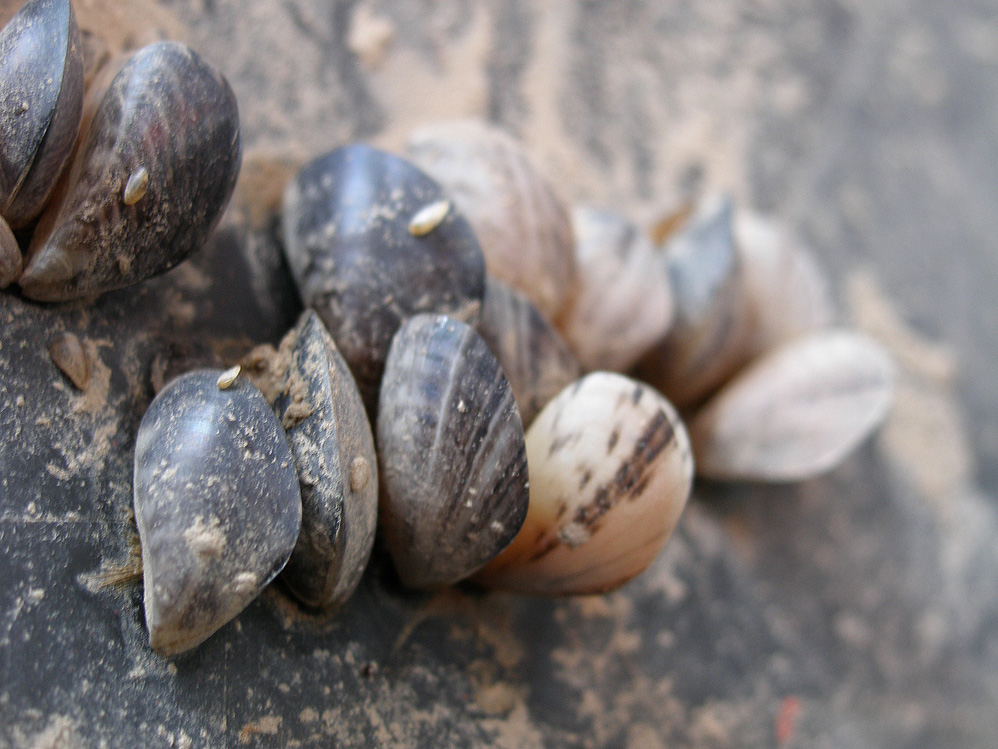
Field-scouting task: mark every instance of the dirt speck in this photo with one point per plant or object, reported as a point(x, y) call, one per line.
point(58, 733)
point(268, 725)
point(370, 37)
point(497, 699)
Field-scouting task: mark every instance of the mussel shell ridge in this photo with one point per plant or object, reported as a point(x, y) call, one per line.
point(333, 447)
point(217, 505)
point(533, 355)
point(41, 100)
point(171, 114)
point(452, 453)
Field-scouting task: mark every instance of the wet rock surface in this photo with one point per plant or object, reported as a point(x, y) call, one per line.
point(852, 610)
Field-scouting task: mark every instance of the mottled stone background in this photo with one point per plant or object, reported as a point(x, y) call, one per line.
point(860, 609)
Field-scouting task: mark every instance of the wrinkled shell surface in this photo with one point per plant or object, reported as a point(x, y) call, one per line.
point(787, 294)
point(610, 473)
point(216, 503)
point(41, 101)
point(533, 355)
point(796, 412)
point(331, 441)
point(170, 113)
point(452, 453)
point(346, 230)
point(623, 303)
point(523, 225)
point(710, 334)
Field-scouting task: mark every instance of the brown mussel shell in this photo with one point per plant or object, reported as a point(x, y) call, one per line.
point(356, 261)
point(166, 113)
point(623, 302)
point(536, 360)
point(41, 101)
point(610, 473)
point(324, 417)
point(452, 455)
point(217, 505)
point(522, 224)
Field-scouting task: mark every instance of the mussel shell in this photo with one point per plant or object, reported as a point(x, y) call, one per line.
point(452, 454)
point(537, 362)
point(333, 448)
point(797, 411)
point(610, 473)
point(787, 293)
point(623, 302)
point(346, 231)
point(217, 505)
point(521, 222)
point(170, 113)
point(41, 101)
point(710, 336)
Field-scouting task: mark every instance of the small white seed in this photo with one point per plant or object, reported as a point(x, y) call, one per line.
point(360, 473)
point(228, 377)
point(136, 186)
point(428, 218)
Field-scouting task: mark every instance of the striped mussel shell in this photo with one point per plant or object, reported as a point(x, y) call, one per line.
point(797, 411)
point(451, 450)
point(623, 302)
point(535, 358)
point(523, 225)
point(610, 473)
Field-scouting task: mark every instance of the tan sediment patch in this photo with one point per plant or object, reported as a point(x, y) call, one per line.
point(925, 434)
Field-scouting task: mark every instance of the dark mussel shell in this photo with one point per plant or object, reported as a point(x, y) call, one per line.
point(531, 352)
point(10, 256)
point(41, 101)
point(217, 505)
point(711, 332)
point(359, 265)
point(154, 170)
point(451, 446)
point(333, 448)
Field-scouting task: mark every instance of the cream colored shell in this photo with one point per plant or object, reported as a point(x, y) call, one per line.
point(795, 412)
point(623, 302)
point(610, 472)
point(787, 293)
point(522, 225)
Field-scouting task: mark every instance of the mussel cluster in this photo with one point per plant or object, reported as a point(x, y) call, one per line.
point(113, 183)
point(496, 383)
point(526, 434)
